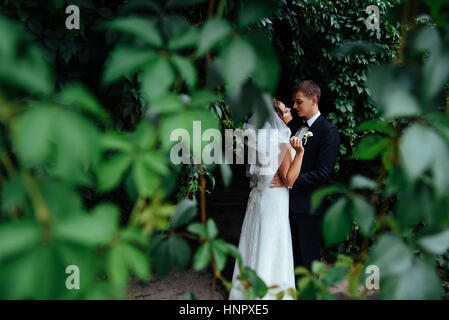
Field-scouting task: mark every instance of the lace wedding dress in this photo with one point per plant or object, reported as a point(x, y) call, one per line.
point(265, 241)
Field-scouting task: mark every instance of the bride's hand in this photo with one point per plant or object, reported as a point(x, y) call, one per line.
point(297, 144)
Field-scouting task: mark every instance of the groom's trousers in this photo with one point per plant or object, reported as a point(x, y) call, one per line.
point(306, 238)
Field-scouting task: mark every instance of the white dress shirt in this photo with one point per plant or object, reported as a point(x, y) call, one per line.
point(312, 120)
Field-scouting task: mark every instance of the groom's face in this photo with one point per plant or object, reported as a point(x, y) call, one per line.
point(303, 105)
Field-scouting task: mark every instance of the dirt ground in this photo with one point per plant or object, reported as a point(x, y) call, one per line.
point(177, 286)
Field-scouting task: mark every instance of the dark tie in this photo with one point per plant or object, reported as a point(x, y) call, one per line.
point(304, 123)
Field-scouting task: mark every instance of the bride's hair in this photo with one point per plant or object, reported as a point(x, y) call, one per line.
point(278, 110)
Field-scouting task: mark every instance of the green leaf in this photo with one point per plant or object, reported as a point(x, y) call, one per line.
point(135, 260)
point(115, 141)
point(335, 275)
point(157, 77)
point(401, 104)
point(166, 104)
point(362, 182)
point(370, 147)
point(219, 256)
point(377, 125)
point(436, 243)
point(257, 284)
point(32, 135)
point(111, 171)
point(179, 251)
point(82, 98)
point(76, 141)
point(90, 230)
point(13, 193)
point(416, 149)
point(238, 60)
point(124, 61)
point(186, 210)
point(162, 259)
point(391, 255)
point(363, 214)
point(322, 193)
point(146, 180)
point(203, 98)
point(211, 229)
point(202, 256)
point(116, 267)
point(226, 174)
point(197, 228)
point(186, 69)
point(425, 285)
point(15, 238)
point(254, 10)
point(336, 223)
point(139, 27)
point(156, 162)
point(187, 37)
point(265, 77)
point(213, 31)
point(145, 135)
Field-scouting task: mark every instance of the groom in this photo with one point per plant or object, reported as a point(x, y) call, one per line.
point(320, 154)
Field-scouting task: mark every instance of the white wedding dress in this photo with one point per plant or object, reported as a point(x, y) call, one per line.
point(265, 241)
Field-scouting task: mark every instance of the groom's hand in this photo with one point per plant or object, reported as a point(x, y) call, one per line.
point(277, 182)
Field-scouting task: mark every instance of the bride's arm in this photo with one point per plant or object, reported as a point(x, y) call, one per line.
point(295, 166)
point(285, 165)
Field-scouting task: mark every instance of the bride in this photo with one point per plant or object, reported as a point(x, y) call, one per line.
point(265, 241)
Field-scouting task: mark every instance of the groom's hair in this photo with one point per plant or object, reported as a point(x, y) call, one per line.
point(308, 88)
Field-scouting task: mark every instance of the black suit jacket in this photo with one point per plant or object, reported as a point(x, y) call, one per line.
point(320, 154)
